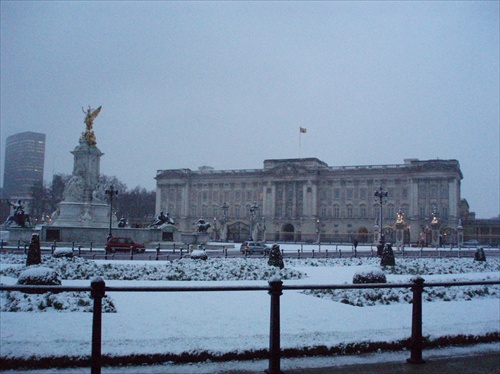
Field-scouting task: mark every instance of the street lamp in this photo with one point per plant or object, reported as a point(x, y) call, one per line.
point(253, 212)
point(224, 208)
point(215, 229)
point(264, 229)
point(318, 231)
point(381, 197)
point(223, 221)
point(111, 192)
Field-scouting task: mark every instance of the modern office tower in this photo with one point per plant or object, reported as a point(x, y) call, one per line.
point(24, 162)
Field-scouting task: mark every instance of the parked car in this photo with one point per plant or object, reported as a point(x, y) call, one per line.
point(123, 244)
point(254, 247)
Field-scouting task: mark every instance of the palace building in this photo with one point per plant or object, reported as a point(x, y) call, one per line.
point(307, 200)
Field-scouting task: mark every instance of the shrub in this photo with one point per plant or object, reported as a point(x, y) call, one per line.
point(63, 252)
point(39, 276)
point(199, 254)
point(34, 251)
point(369, 275)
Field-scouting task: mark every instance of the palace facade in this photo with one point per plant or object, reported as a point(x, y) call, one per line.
point(307, 200)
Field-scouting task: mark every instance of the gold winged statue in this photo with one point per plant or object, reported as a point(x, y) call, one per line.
point(90, 115)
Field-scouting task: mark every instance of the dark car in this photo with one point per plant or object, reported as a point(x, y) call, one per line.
point(254, 247)
point(123, 244)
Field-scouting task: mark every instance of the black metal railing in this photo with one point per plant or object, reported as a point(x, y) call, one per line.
point(275, 289)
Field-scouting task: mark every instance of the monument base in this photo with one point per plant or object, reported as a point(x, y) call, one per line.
point(76, 214)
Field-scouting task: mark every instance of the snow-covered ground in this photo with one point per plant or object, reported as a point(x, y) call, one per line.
point(238, 321)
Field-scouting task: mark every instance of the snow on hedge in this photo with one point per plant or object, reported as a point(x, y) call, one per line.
point(184, 269)
point(16, 301)
point(63, 252)
point(39, 276)
point(370, 274)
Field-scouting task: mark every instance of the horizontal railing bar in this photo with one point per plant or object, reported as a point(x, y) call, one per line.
point(57, 289)
point(186, 289)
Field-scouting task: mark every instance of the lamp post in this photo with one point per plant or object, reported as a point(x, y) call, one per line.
point(264, 229)
point(215, 229)
point(380, 196)
point(111, 192)
point(253, 212)
point(318, 239)
point(223, 221)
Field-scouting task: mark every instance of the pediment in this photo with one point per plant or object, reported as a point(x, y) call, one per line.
point(290, 168)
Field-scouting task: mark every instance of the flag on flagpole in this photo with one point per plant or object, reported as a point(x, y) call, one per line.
point(303, 130)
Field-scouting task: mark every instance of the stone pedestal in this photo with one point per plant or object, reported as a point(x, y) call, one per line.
point(195, 238)
point(84, 215)
point(400, 236)
point(84, 202)
point(435, 235)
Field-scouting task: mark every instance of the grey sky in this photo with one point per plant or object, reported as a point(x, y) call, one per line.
point(227, 84)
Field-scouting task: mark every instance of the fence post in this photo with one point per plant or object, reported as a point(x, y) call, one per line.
point(416, 322)
point(98, 287)
point(157, 251)
point(131, 253)
point(276, 290)
point(90, 248)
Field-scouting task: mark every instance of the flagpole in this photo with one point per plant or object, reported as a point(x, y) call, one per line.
point(300, 137)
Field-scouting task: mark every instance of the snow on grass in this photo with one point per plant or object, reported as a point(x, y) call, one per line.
point(147, 323)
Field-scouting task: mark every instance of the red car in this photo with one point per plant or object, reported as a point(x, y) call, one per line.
point(122, 244)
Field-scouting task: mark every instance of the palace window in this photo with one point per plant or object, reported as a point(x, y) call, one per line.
point(349, 212)
point(336, 193)
point(336, 212)
point(362, 211)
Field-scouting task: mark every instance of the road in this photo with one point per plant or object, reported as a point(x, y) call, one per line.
point(171, 253)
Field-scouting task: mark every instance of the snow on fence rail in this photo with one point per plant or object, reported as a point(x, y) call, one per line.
point(275, 289)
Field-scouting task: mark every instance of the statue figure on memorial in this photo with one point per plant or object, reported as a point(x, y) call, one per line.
point(98, 194)
point(90, 116)
point(162, 219)
point(18, 218)
point(202, 226)
point(74, 189)
point(400, 220)
point(122, 222)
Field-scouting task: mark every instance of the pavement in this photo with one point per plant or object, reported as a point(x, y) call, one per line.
point(475, 364)
point(476, 359)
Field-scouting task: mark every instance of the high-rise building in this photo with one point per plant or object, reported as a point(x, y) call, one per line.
point(24, 162)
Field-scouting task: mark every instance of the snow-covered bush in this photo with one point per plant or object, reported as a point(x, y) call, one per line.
point(63, 252)
point(369, 275)
point(15, 301)
point(39, 276)
point(199, 254)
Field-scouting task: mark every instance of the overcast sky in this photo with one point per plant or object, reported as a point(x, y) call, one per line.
point(228, 84)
